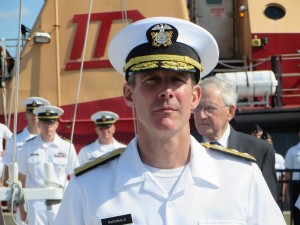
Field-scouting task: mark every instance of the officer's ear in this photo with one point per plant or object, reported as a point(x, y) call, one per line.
point(127, 92)
point(231, 113)
point(196, 95)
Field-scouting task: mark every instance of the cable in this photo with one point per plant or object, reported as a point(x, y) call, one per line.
point(18, 197)
point(244, 67)
point(125, 23)
point(124, 13)
point(78, 88)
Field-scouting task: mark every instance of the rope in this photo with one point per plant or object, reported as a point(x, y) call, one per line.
point(18, 197)
point(78, 88)
point(17, 73)
point(125, 23)
point(244, 67)
point(124, 13)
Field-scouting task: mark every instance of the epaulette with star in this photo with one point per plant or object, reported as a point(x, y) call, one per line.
point(99, 161)
point(227, 151)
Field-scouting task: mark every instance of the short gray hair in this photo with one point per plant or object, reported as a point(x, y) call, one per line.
point(228, 91)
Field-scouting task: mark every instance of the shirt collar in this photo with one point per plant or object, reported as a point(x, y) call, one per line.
point(223, 140)
point(200, 170)
point(55, 142)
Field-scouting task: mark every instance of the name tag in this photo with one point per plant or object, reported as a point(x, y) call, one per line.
point(117, 220)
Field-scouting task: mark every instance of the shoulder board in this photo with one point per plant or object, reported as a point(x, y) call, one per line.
point(227, 151)
point(99, 161)
point(30, 139)
point(66, 139)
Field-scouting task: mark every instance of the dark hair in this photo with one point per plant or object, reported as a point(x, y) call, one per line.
point(256, 128)
point(266, 136)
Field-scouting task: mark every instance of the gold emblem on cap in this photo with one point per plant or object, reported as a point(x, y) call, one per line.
point(48, 113)
point(34, 103)
point(103, 118)
point(160, 36)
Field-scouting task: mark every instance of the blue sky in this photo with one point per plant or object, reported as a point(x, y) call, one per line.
point(9, 18)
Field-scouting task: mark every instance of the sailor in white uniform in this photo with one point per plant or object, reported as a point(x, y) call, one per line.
point(5, 135)
point(44, 150)
point(105, 129)
point(165, 177)
point(30, 131)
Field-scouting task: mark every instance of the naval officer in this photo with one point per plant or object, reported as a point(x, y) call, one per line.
point(105, 129)
point(45, 150)
point(164, 176)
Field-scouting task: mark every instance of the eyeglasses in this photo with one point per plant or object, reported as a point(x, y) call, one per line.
point(209, 110)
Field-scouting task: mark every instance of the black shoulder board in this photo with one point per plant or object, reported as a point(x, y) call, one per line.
point(227, 151)
point(99, 161)
point(64, 138)
point(30, 139)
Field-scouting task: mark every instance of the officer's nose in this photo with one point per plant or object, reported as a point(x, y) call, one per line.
point(166, 93)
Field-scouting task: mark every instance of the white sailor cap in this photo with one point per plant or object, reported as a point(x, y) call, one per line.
point(104, 118)
point(32, 102)
point(48, 113)
point(163, 43)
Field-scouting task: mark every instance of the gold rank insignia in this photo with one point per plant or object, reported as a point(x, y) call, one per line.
point(227, 151)
point(99, 161)
point(161, 36)
point(48, 113)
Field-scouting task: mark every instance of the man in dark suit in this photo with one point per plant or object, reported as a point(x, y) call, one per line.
point(212, 116)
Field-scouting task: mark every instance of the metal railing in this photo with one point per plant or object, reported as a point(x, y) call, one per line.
point(289, 189)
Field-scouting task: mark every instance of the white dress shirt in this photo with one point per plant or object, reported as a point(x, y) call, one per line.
point(21, 139)
point(32, 159)
point(213, 189)
point(95, 149)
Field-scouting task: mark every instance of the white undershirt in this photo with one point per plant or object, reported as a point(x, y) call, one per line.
point(167, 178)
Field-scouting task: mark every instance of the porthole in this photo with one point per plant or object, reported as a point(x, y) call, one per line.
point(274, 11)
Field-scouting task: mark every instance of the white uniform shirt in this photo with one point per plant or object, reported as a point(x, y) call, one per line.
point(32, 158)
point(21, 139)
point(213, 189)
point(5, 134)
point(292, 160)
point(279, 164)
point(35, 153)
point(95, 149)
